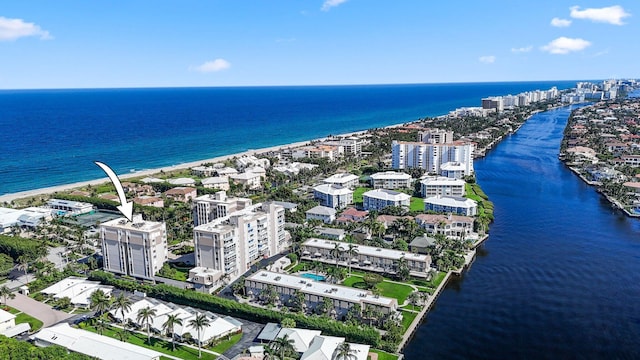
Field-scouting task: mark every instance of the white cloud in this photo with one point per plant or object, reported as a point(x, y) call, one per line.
point(213, 66)
point(522, 49)
point(565, 45)
point(557, 22)
point(488, 59)
point(611, 15)
point(12, 29)
point(328, 4)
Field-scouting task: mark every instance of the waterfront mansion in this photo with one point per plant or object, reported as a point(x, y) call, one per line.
point(367, 257)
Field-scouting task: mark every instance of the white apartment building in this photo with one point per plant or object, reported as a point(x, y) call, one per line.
point(248, 179)
point(212, 206)
point(451, 204)
point(454, 170)
point(439, 185)
point(344, 179)
point(333, 196)
point(408, 155)
point(231, 244)
point(317, 152)
point(350, 145)
point(67, 207)
point(379, 199)
point(368, 258)
point(325, 214)
point(216, 182)
point(435, 136)
point(135, 248)
point(342, 297)
point(391, 180)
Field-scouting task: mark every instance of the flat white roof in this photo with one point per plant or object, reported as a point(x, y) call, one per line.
point(215, 180)
point(367, 250)
point(321, 289)
point(322, 210)
point(341, 178)
point(182, 181)
point(384, 194)
point(333, 189)
point(6, 316)
point(91, 344)
point(136, 225)
point(390, 175)
point(442, 181)
point(451, 201)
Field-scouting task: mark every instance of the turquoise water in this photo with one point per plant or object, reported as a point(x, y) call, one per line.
point(52, 137)
point(313, 277)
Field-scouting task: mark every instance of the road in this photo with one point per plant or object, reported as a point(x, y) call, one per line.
point(38, 310)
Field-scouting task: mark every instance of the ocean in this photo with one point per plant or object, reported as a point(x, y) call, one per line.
point(52, 137)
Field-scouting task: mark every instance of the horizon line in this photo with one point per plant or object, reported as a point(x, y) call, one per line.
point(298, 85)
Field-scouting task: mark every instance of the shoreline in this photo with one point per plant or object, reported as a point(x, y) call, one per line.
point(9, 197)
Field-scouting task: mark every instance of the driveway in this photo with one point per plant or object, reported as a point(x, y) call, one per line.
point(38, 310)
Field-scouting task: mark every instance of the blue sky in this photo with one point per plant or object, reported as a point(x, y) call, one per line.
point(81, 43)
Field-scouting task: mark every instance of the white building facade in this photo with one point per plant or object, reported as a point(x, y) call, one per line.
point(381, 198)
point(432, 186)
point(333, 196)
point(409, 155)
point(391, 180)
point(231, 244)
point(137, 248)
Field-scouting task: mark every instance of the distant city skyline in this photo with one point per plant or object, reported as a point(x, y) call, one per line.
point(85, 44)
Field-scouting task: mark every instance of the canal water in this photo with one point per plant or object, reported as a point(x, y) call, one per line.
point(559, 276)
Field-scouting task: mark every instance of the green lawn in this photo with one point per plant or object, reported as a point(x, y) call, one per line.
point(407, 319)
point(388, 289)
point(9, 309)
point(226, 344)
point(158, 345)
point(24, 318)
point(384, 355)
point(357, 194)
point(417, 204)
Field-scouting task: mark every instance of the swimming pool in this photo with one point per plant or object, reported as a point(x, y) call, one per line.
point(313, 277)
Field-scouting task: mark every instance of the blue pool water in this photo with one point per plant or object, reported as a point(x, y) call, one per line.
point(313, 277)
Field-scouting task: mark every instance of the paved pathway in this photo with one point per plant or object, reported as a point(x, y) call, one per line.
point(38, 310)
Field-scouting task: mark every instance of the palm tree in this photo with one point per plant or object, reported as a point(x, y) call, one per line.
point(352, 251)
point(336, 252)
point(200, 322)
point(123, 304)
point(23, 264)
point(99, 302)
point(5, 292)
point(123, 334)
point(99, 324)
point(169, 326)
point(282, 346)
point(344, 352)
point(145, 315)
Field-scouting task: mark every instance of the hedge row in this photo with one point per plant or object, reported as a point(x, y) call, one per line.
point(353, 333)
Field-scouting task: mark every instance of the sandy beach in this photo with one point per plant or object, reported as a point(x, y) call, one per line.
point(58, 188)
